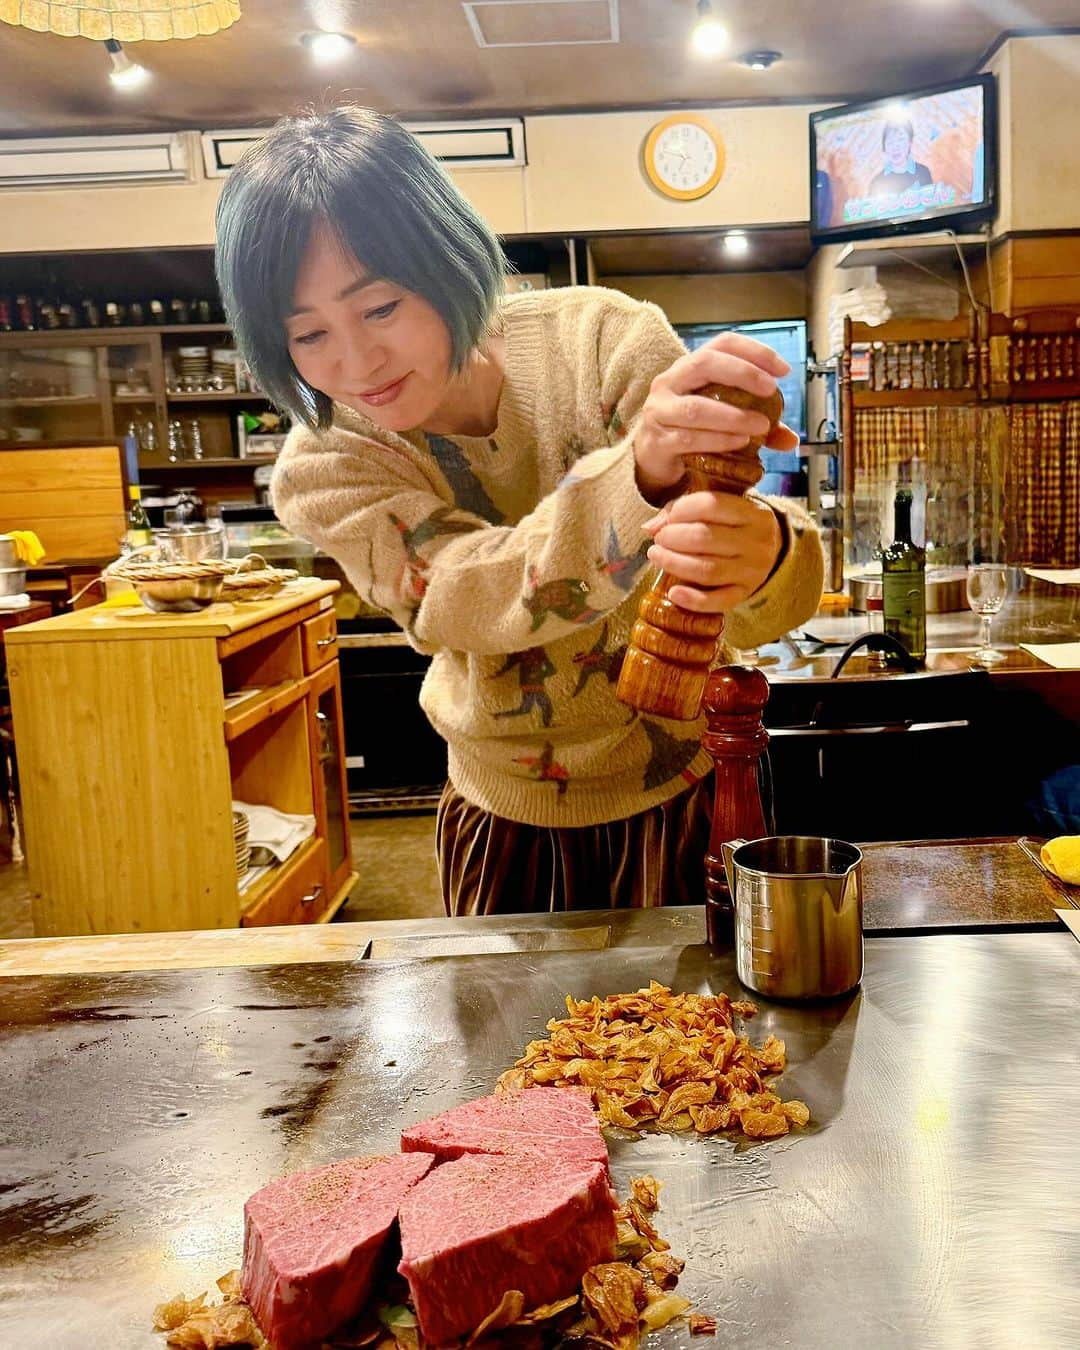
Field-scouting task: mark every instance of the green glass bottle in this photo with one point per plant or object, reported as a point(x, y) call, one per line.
point(903, 580)
point(138, 531)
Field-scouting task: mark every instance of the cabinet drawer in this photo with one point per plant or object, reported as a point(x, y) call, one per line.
point(319, 636)
point(298, 896)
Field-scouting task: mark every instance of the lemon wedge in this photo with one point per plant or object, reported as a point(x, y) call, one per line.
point(1062, 856)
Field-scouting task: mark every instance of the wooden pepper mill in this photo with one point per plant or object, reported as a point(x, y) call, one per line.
point(671, 649)
point(735, 697)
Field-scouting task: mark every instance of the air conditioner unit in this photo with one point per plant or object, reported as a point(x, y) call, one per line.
point(60, 161)
point(488, 143)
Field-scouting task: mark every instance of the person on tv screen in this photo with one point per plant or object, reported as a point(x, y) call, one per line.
point(900, 171)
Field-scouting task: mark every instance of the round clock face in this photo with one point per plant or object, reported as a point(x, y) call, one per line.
point(684, 157)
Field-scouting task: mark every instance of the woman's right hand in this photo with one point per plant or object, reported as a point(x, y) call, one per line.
point(676, 421)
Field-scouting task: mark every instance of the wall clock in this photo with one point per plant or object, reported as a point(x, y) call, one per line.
point(684, 156)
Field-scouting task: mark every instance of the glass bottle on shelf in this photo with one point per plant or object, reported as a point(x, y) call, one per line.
point(26, 314)
point(176, 440)
point(149, 437)
point(194, 438)
point(903, 576)
point(138, 533)
point(905, 365)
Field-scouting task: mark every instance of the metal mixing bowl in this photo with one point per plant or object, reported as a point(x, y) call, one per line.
point(178, 595)
point(12, 580)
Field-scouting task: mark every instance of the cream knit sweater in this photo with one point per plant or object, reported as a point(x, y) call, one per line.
point(517, 561)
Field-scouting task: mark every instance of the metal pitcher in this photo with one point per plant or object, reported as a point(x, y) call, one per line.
point(798, 915)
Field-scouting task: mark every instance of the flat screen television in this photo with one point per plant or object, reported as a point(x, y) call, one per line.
point(920, 162)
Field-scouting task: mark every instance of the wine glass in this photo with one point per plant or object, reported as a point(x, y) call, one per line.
point(987, 588)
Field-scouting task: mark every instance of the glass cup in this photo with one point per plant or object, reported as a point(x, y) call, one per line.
point(987, 590)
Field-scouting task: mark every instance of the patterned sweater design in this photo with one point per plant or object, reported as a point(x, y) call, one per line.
point(517, 561)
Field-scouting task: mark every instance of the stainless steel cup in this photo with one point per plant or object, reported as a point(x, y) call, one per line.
point(798, 915)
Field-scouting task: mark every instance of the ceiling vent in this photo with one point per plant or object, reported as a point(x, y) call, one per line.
point(497, 142)
point(61, 161)
point(542, 23)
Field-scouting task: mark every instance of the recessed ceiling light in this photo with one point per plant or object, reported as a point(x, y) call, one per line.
point(326, 48)
point(736, 243)
point(125, 73)
point(709, 37)
point(761, 60)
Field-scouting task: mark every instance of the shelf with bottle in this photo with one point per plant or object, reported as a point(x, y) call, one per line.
point(216, 396)
point(27, 313)
point(913, 373)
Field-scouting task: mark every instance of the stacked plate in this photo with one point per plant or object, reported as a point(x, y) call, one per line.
point(223, 367)
point(240, 842)
point(193, 366)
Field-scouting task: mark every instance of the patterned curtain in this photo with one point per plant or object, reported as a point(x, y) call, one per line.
point(997, 482)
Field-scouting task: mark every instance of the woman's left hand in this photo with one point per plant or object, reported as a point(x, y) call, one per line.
point(720, 548)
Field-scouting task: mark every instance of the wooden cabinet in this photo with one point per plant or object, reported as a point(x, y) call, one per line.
point(135, 735)
point(96, 383)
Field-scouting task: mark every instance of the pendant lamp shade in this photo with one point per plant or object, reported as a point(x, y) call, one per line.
point(122, 20)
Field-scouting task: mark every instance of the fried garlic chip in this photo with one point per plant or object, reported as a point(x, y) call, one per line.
point(192, 1324)
point(646, 1191)
point(169, 1315)
point(546, 1311)
point(664, 1308)
point(654, 1060)
point(509, 1309)
point(662, 1268)
point(615, 1294)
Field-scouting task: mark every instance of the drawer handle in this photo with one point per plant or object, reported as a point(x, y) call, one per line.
point(311, 896)
point(326, 641)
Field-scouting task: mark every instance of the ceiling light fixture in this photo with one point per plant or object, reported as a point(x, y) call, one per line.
point(328, 48)
point(736, 243)
point(123, 20)
point(709, 37)
point(761, 60)
point(125, 73)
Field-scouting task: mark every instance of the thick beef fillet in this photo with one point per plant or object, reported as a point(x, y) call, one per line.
point(481, 1225)
point(553, 1120)
point(312, 1243)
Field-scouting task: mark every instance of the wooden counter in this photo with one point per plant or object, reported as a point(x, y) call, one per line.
point(931, 887)
point(135, 736)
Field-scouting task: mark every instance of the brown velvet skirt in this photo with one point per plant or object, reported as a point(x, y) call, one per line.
point(488, 865)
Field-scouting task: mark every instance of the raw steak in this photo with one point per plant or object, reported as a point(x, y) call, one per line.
point(312, 1243)
point(551, 1120)
point(481, 1225)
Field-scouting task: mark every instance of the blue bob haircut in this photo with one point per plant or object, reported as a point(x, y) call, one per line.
point(372, 183)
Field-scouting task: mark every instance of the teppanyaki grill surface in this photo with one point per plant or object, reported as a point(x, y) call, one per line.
point(924, 1204)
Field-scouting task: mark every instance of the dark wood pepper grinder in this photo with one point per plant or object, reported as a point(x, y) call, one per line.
point(672, 650)
point(735, 698)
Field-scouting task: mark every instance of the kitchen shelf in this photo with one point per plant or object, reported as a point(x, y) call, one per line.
point(934, 248)
point(261, 704)
point(913, 398)
point(220, 462)
point(51, 401)
point(148, 397)
point(216, 396)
